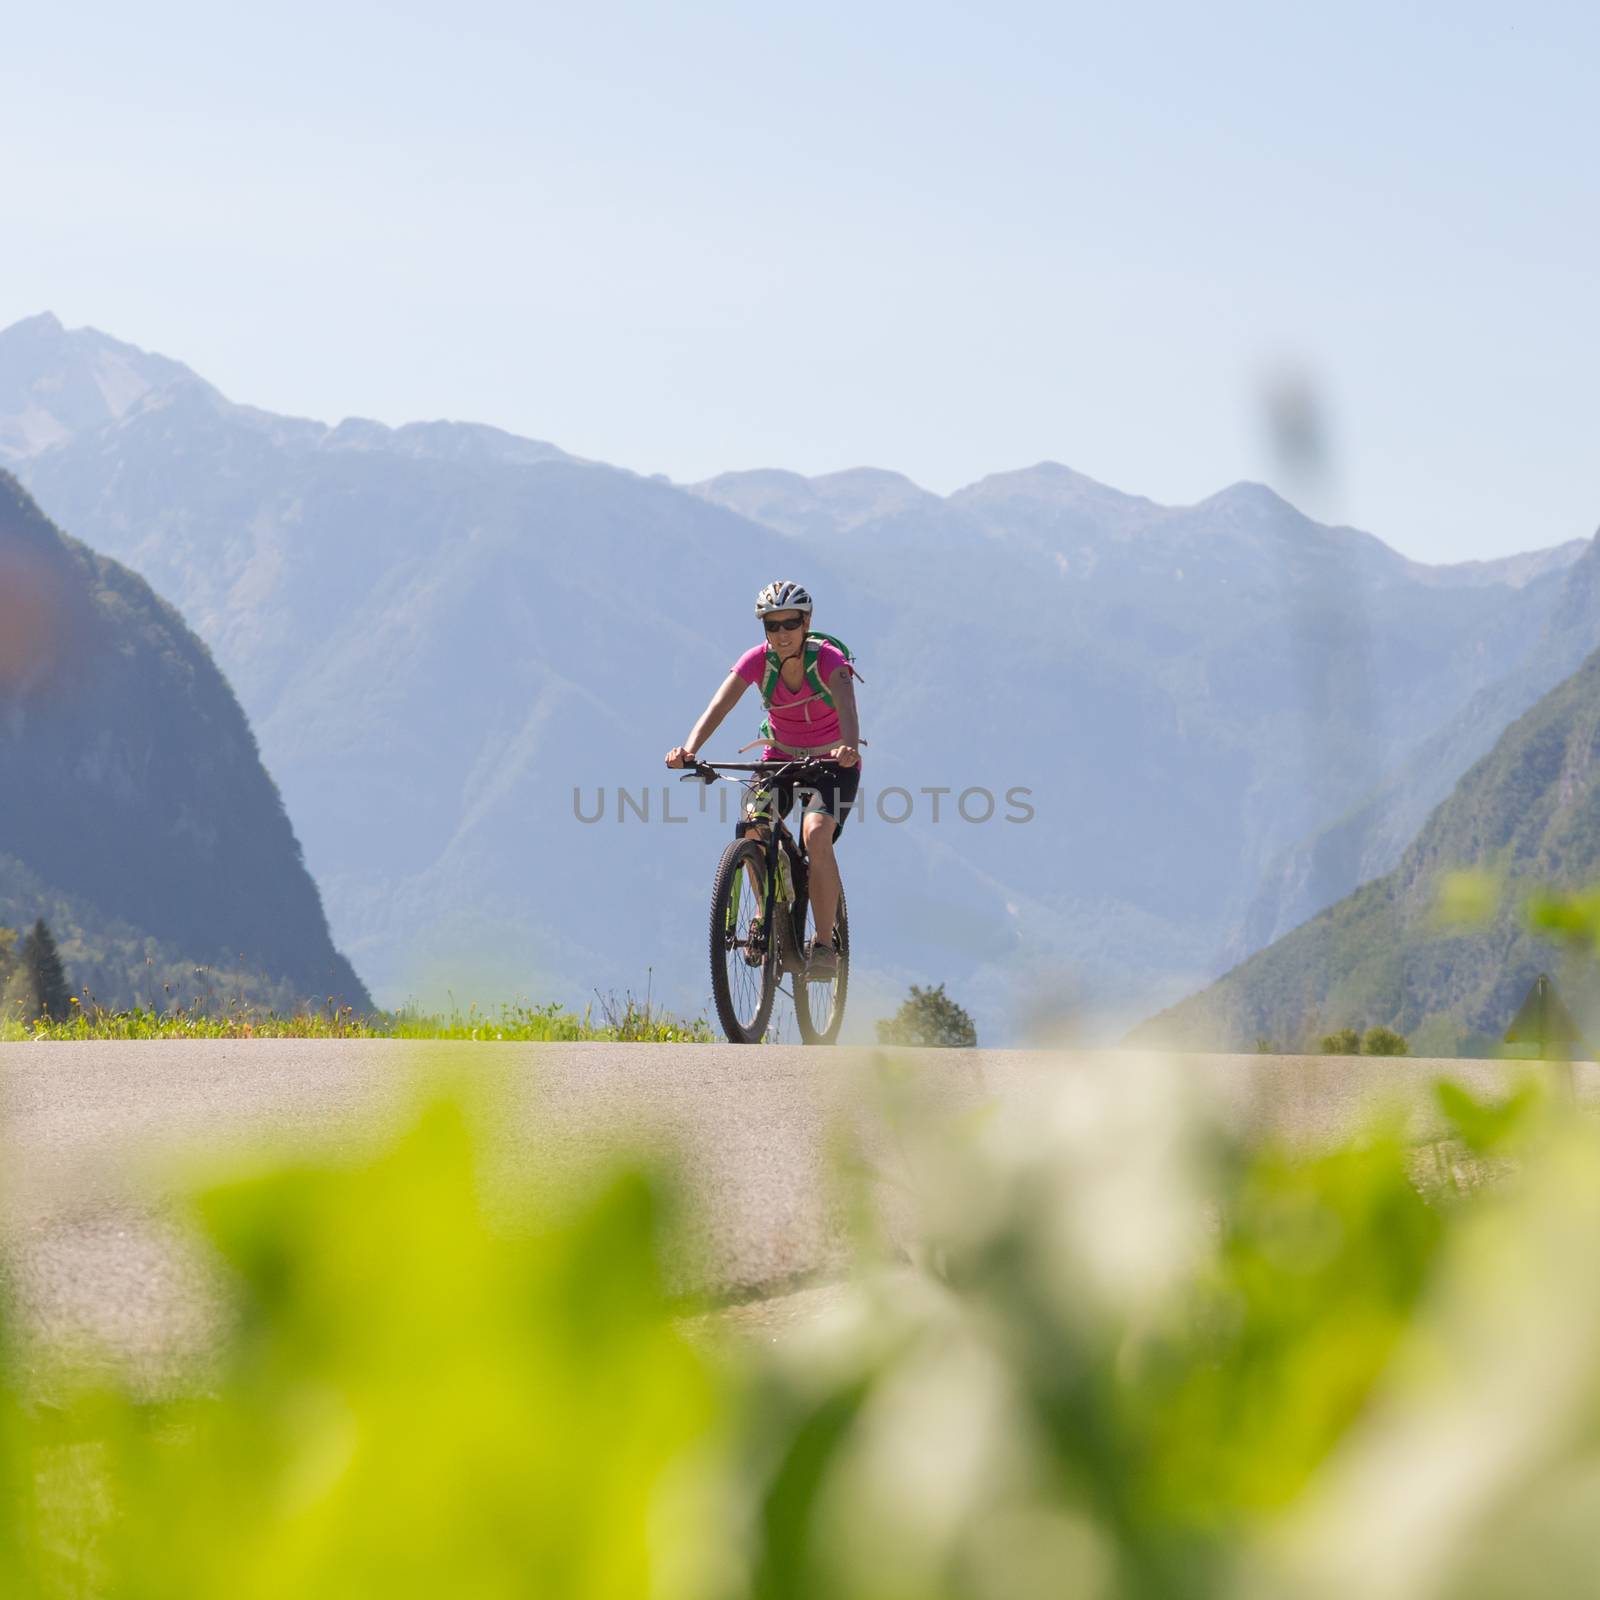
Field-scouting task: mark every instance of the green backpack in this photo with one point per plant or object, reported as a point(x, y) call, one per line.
point(769, 679)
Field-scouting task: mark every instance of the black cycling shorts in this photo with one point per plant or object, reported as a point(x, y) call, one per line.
point(832, 790)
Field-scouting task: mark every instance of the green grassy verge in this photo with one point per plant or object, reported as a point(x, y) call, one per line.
point(628, 1020)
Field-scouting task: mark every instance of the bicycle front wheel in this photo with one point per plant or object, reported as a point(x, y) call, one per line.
point(744, 954)
point(819, 1007)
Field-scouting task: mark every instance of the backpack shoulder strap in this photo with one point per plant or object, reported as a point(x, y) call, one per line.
point(769, 676)
point(814, 643)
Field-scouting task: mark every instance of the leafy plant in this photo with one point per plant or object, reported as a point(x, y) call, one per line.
point(637, 1021)
point(1346, 1042)
point(1381, 1041)
point(929, 1017)
point(1133, 1356)
point(419, 1398)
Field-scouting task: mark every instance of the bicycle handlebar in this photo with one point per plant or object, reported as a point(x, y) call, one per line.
point(710, 771)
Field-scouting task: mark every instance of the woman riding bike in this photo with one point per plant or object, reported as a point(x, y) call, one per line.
point(803, 723)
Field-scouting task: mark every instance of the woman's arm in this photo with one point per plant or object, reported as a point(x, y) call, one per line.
point(722, 702)
point(842, 687)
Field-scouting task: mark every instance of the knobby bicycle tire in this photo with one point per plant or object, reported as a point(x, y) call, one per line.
point(742, 1024)
point(824, 1029)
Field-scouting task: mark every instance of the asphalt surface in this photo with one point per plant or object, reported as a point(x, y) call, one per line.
point(97, 1140)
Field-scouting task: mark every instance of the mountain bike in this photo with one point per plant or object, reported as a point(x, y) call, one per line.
point(761, 919)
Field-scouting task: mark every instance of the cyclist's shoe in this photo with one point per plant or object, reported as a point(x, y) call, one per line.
point(755, 947)
point(822, 961)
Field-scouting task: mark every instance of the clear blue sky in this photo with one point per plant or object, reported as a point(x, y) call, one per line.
point(948, 239)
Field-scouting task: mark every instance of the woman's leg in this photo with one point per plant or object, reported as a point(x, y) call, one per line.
point(822, 869)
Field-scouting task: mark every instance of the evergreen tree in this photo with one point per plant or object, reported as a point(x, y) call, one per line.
point(48, 979)
point(929, 1016)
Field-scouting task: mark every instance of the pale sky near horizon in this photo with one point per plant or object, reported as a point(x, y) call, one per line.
point(945, 239)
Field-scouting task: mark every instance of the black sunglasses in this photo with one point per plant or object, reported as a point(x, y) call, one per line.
point(772, 625)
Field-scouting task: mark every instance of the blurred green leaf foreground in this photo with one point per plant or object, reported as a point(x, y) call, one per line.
point(1107, 1350)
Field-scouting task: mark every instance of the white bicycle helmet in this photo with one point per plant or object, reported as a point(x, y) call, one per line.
point(782, 596)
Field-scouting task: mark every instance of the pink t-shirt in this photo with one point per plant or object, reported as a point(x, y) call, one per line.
point(812, 722)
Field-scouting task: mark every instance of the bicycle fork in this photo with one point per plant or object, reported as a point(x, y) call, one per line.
point(793, 869)
point(766, 890)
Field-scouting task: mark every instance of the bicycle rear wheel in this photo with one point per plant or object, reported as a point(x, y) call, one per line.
point(744, 959)
point(819, 1007)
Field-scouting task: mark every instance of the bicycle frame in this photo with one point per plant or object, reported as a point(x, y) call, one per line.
point(778, 835)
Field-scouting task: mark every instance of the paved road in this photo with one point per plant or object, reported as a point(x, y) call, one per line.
point(90, 1244)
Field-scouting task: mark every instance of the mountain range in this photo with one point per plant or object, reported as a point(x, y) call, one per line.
point(445, 635)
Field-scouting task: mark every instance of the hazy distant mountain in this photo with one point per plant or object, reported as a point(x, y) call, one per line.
point(1511, 570)
point(1530, 810)
point(440, 632)
point(833, 503)
point(1370, 840)
point(1201, 679)
point(134, 811)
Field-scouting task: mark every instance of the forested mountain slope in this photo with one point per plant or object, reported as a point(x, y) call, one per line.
point(1370, 840)
point(134, 809)
point(1529, 811)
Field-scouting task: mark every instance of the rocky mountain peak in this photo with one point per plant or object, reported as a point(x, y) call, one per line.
point(56, 383)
